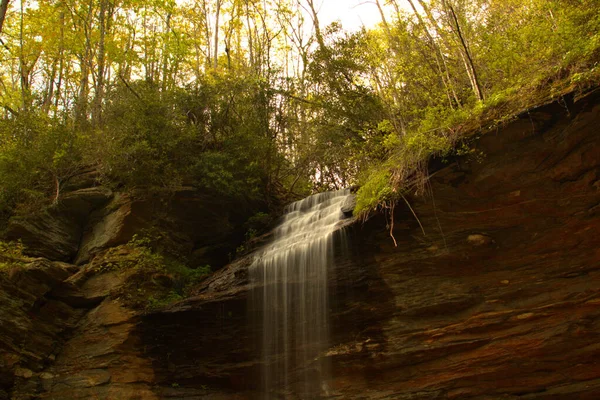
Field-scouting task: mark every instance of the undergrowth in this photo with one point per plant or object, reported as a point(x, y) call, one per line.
point(442, 133)
point(153, 279)
point(11, 256)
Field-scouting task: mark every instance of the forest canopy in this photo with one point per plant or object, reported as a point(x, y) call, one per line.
point(255, 100)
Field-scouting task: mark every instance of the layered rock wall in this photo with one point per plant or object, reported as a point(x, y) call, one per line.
point(499, 298)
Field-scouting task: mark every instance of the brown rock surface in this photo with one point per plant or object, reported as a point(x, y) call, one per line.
point(197, 225)
point(499, 300)
point(55, 232)
point(33, 324)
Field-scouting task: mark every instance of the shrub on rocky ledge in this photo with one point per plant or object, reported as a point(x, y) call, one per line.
point(11, 256)
point(151, 279)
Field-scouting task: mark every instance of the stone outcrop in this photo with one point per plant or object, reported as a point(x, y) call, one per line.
point(55, 233)
point(499, 299)
point(197, 226)
point(33, 324)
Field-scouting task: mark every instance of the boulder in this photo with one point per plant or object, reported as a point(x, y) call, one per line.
point(33, 323)
point(454, 314)
point(193, 224)
point(55, 232)
point(48, 234)
point(81, 202)
point(109, 226)
point(349, 205)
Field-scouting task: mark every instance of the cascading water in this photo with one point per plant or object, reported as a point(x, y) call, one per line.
point(290, 277)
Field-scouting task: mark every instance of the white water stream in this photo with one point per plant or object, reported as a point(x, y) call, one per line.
point(290, 277)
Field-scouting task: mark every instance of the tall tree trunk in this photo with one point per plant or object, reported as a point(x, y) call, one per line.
point(82, 99)
point(440, 33)
point(165, 54)
point(49, 93)
point(315, 19)
point(216, 53)
point(23, 73)
point(99, 92)
point(471, 66)
point(3, 9)
point(229, 34)
point(386, 26)
point(397, 99)
point(61, 63)
point(208, 35)
point(26, 64)
point(250, 38)
point(439, 55)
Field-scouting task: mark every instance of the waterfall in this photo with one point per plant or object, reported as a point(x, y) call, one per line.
point(290, 278)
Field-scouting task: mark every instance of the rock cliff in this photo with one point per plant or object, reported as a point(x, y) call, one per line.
point(498, 298)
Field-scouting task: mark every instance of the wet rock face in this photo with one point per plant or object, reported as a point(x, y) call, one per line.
point(33, 323)
point(500, 298)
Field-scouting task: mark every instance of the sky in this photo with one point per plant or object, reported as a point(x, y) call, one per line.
point(351, 13)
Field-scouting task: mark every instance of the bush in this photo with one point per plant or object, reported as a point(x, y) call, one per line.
point(38, 156)
point(11, 256)
point(153, 278)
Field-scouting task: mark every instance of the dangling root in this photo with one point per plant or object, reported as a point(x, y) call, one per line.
point(414, 214)
point(392, 225)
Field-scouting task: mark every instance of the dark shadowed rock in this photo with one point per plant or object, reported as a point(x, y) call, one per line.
point(33, 323)
point(499, 300)
point(109, 226)
point(81, 202)
point(349, 206)
point(49, 234)
point(55, 233)
point(200, 226)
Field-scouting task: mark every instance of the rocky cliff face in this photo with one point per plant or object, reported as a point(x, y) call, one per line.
point(499, 299)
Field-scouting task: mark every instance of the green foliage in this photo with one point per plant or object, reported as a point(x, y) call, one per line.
point(38, 156)
point(375, 190)
point(163, 299)
point(153, 278)
point(146, 100)
point(213, 137)
point(146, 143)
point(346, 127)
point(11, 256)
point(525, 54)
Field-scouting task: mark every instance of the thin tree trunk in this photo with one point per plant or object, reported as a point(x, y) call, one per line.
point(475, 81)
point(165, 55)
point(82, 98)
point(386, 26)
point(229, 35)
point(315, 19)
point(208, 35)
point(445, 76)
point(61, 63)
point(250, 38)
point(216, 53)
point(444, 40)
point(23, 69)
point(3, 9)
point(49, 88)
point(99, 93)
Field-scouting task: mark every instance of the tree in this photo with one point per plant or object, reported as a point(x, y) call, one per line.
point(3, 9)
